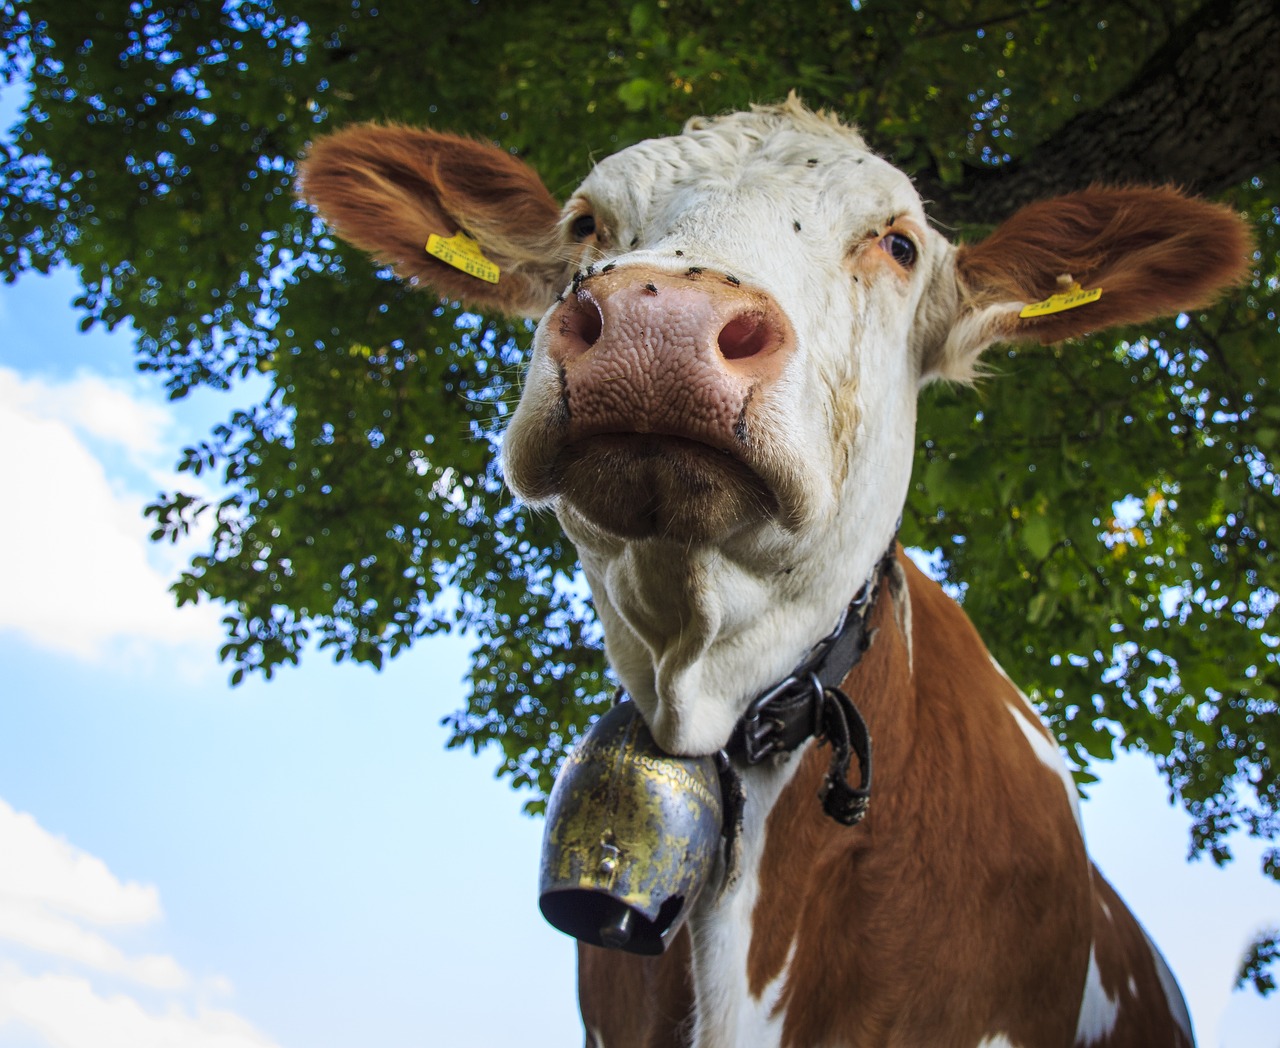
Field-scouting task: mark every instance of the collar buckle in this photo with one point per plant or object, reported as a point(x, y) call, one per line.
point(774, 723)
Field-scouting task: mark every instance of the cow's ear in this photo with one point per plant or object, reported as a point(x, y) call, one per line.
point(391, 189)
point(1084, 262)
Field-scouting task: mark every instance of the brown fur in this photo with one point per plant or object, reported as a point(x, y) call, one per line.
point(387, 188)
point(1152, 250)
point(1123, 953)
point(963, 906)
point(636, 1002)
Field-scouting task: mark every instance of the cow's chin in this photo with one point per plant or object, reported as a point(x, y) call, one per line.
point(649, 486)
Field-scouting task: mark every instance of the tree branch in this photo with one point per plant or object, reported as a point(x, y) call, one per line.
point(1203, 112)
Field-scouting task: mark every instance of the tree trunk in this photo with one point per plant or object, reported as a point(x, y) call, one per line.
point(1203, 113)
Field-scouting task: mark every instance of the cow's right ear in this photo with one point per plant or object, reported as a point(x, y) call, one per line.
point(389, 189)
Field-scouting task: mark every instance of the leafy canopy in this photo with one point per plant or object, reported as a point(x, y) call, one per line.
point(1104, 508)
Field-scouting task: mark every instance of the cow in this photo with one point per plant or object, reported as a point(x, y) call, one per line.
point(720, 408)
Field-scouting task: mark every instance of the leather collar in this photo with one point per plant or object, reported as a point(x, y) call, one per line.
point(809, 702)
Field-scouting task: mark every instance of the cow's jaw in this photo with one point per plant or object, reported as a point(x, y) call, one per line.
point(695, 631)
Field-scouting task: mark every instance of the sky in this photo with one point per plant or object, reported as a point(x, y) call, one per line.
point(300, 863)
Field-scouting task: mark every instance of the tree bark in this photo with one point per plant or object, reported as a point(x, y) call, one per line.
point(1203, 113)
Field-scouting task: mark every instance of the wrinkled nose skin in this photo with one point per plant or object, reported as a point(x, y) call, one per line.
point(659, 378)
point(644, 351)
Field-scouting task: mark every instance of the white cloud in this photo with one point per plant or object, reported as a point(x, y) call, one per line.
point(48, 871)
point(99, 407)
point(49, 890)
point(81, 575)
point(37, 929)
point(67, 1012)
point(47, 883)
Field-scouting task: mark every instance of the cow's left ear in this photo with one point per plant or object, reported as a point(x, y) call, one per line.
point(1084, 262)
point(462, 217)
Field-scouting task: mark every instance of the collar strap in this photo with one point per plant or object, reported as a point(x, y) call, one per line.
point(810, 702)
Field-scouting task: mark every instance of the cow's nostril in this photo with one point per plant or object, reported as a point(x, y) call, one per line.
point(581, 319)
point(744, 336)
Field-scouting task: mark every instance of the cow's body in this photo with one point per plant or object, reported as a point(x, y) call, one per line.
point(969, 873)
point(721, 410)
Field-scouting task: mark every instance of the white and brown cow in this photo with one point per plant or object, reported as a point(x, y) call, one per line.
point(720, 408)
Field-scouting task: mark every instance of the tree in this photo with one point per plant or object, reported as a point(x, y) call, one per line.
point(1104, 508)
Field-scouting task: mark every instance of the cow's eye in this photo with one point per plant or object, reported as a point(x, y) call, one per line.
point(583, 226)
point(900, 249)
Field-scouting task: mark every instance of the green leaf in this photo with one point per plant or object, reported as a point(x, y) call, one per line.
point(1038, 535)
point(637, 94)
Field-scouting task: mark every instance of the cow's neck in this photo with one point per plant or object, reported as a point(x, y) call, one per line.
point(695, 632)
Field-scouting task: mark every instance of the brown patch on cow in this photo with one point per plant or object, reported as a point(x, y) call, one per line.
point(387, 188)
point(630, 1001)
point(968, 870)
point(1152, 250)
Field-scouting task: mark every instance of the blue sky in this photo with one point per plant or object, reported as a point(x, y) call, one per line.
point(301, 856)
point(300, 864)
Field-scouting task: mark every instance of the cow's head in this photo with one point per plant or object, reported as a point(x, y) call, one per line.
point(734, 324)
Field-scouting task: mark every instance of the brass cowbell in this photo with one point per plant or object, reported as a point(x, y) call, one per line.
point(631, 838)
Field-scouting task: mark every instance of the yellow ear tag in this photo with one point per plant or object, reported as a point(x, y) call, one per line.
point(463, 253)
point(1073, 296)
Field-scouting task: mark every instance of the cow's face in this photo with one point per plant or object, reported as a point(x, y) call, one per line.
point(736, 355)
point(734, 321)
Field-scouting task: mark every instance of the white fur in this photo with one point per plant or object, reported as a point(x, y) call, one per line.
point(1098, 1010)
point(1045, 747)
point(726, 1015)
point(1046, 750)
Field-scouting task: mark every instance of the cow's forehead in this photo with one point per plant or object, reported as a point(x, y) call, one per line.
point(806, 160)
